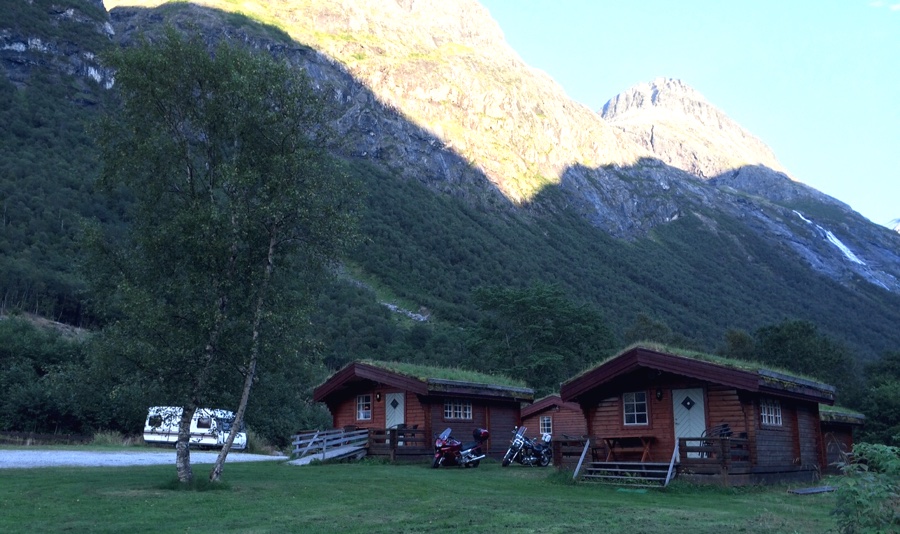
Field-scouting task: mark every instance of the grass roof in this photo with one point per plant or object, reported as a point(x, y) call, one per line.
point(424, 372)
point(840, 410)
point(741, 365)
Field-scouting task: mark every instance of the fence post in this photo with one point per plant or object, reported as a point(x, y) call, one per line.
point(393, 440)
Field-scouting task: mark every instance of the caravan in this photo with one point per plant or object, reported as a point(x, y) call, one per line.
point(209, 427)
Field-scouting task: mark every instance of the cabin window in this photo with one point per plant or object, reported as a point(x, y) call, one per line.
point(457, 409)
point(770, 412)
point(546, 425)
point(363, 407)
point(204, 422)
point(635, 408)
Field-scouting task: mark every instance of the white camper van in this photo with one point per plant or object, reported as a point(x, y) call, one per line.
point(209, 427)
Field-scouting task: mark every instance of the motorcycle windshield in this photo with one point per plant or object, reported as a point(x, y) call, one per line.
point(444, 435)
point(520, 432)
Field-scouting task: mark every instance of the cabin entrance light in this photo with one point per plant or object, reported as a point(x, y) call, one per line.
point(378, 397)
point(659, 394)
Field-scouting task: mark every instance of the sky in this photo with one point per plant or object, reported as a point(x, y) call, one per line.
point(818, 81)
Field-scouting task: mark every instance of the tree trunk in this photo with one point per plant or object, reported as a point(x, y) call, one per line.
point(216, 473)
point(183, 446)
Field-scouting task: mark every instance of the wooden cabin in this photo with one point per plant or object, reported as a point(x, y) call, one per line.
point(731, 421)
point(562, 420)
point(423, 401)
point(838, 426)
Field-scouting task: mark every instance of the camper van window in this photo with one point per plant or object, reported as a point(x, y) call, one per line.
point(204, 422)
point(155, 421)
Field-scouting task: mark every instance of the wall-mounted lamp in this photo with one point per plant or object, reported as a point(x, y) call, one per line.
point(378, 397)
point(659, 394)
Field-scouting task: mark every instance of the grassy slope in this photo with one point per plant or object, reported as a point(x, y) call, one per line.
point(369, 497)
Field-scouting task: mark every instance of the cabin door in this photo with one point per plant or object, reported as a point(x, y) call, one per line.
point(394, 409)
point(689, 412)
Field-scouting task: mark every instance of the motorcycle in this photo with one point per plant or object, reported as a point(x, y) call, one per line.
point(527, 451)
point(450, 451)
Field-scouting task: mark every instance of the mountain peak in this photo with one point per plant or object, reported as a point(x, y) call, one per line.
point(683, 129)
point(662, 93)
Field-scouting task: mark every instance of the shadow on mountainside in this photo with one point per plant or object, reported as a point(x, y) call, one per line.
point(367, 130)
point(704, 256)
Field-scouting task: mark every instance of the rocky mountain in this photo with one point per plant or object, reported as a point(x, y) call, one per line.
point(429, 92)
point(62, 38)
point(679, 126)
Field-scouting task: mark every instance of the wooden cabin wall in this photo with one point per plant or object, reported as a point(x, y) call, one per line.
point(344, 413)
point(503, 420)
point(563, 420)
point(809, 434)
point(723, 406)
point(500, 419)
point(775, 445)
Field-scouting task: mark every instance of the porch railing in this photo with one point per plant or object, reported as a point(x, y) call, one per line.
point(323, 441)
point(399, 443)
point(714, 455)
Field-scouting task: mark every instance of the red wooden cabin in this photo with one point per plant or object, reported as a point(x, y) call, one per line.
point(389, 395)
point(757, 425)
point(561, 420)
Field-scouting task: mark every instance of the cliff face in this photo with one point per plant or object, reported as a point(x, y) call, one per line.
point(44, 38)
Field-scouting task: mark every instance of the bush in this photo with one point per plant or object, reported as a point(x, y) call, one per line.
point(868, 496)
point(113, 438)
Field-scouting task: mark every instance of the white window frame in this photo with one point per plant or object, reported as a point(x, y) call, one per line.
point(635, 404)
point(457, 410)
point(546, 424)
point(364, 407)
point(770, 412)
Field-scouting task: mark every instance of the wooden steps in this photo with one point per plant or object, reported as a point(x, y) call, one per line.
point(641, 474)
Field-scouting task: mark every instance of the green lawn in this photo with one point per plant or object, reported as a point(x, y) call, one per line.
point(369, 497)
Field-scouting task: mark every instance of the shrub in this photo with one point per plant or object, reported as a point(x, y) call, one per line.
point(868, 496)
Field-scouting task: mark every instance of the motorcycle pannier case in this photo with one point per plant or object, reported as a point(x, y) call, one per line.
point(480, 434)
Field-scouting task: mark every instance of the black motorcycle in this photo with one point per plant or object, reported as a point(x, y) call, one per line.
point(527, 451)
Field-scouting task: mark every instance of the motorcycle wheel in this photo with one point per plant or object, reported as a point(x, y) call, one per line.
point(545, 459)
point(473, 464)
point(507, 459)
point(436, 463)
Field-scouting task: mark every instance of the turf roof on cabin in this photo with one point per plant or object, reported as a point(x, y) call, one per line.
point(840, 414)
point(426, 372)
point(741, 365)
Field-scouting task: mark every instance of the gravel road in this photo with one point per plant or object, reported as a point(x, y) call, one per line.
point(17, 459)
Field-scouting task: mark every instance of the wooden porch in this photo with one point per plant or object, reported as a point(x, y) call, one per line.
point(704, 459)
point(400, 444)
point(714, 456)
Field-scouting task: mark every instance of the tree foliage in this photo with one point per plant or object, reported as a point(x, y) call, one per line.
point(237, 213)
point(881, 400)
point(538, 335)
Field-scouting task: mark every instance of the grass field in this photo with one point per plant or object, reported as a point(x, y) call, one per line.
point(368, 497)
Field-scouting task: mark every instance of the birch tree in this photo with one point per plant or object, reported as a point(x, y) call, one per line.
point(237, 211)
